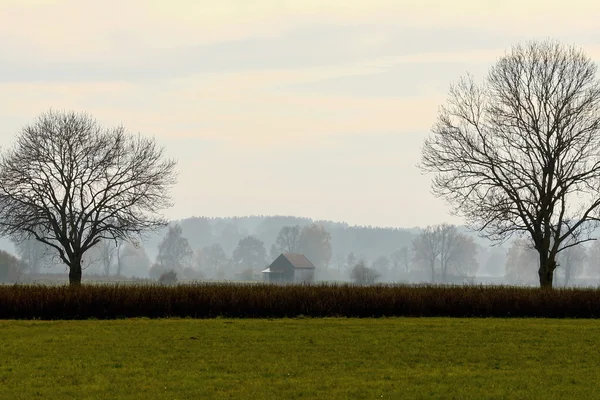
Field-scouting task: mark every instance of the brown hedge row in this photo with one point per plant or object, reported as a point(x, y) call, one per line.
point(275, 301)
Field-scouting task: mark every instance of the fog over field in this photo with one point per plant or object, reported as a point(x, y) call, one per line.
point(219, 249)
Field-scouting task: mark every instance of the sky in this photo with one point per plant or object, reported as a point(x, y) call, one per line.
point(312, 108)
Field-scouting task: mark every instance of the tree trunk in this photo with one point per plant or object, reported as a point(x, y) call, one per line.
point(444, 276)
point(75, 272)
point(546, 271)
point(119, 258)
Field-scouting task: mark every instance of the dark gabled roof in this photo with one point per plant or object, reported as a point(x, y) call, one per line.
point(298, 260)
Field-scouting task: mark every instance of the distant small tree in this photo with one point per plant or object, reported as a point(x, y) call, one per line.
point(174, 251)
point(427, 248)
point(362, 275)
point(215, 259)
point(106, 254)
point(521, 263)
point(444, 251)
point(33, 254)
point(462, 261)
point(132, 260)
point(287, 240)
point(250, 253)
point(401, 258)
point(315, 243)
point(9, 267)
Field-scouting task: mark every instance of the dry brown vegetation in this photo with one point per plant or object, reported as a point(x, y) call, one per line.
point(276, 301)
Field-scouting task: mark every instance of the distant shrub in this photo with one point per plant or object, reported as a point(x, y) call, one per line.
point(168, 278)
point(362, 275)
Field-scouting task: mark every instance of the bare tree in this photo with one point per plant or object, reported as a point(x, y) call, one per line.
point(443, 248)
point(462, 261)
point(287, 240)
point(33, 254)
point(107, 249)
point(427, 248)
point(174, 253)
point(400, 261)
point(315, 243)
point(449, 247)
point(110, 254)
point(520, 153)
point(69, 183)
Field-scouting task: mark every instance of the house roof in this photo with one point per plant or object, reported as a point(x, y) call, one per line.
point(299, 260)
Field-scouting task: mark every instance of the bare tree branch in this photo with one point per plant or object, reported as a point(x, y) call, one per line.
point(70, 183)
point(520, 153)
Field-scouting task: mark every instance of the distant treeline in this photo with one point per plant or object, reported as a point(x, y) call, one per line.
point(239, 248)
point(274, 301)
point(364, 241)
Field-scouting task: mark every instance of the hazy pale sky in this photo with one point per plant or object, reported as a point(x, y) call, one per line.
point(314, 108)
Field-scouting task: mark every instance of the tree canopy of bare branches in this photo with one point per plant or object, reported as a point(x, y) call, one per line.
point(174, 253)
point(69, 183)
point(520, 152)
point(286, 241)
point(444, 251)
point(315, 243)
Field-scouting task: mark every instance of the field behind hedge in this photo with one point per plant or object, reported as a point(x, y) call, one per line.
point(276, 301)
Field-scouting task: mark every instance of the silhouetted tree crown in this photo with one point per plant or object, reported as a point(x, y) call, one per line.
point(69, 183)
point(520, 152)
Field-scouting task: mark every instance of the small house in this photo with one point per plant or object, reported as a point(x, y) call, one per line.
point(290, 268)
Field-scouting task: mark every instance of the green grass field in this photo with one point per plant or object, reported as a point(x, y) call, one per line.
point(399, 358)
